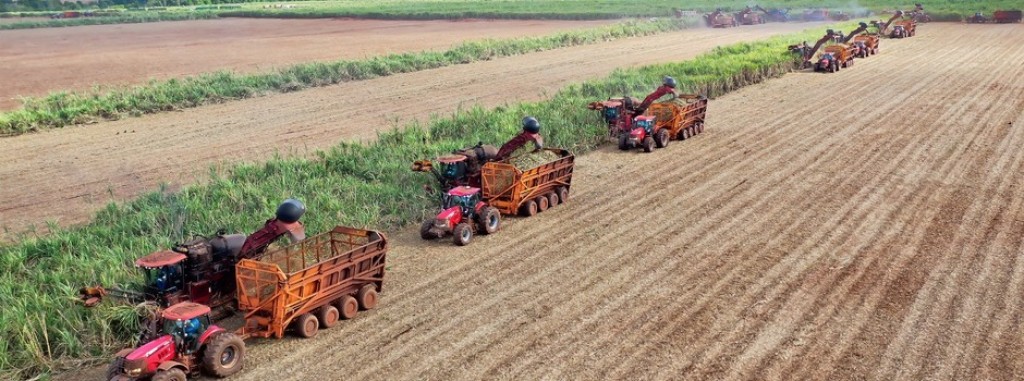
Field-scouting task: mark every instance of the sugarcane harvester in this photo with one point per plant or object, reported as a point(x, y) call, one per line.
point(883, 28)
point(202, 269)
point(775, 15)
point(617, 113)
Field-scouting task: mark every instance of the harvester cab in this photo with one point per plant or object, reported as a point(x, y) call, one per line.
point(460, 168)
point(617, 113)
point(462, 213)
point(188, 341)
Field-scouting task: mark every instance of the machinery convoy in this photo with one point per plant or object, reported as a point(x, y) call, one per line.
point(312, 283)
point(304, 286)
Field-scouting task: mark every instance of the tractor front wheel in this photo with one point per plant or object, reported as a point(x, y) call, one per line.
point(114, 369)
point(648, 144)
point(623, 141)
point(462, 234)
point(173, 374)
point(490, 220)
point(224, 355)
point(426, 230)
point(661, 138)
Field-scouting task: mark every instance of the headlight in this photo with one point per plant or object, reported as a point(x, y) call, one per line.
point(135, 372)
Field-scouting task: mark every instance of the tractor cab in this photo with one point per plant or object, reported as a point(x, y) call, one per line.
point(163, 273)
point(646, 122)
point(186, 322)
point(466, 198)
point(612, 108)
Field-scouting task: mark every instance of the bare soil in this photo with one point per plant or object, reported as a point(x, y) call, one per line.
point(38, 61)
point(65, 175)
point(875, 235)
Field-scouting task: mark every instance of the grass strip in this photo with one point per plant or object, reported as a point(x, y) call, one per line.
point(126, 18)
point(367, 185)
point(65, 108)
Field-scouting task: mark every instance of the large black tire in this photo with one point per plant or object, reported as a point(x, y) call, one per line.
point(529, 209)
point(462, 234)
point(368, 297)
point(425, 230)
point(623, 141)
point(174, 374)
point(648, 144)
point(224, 356)
point(114, 369)
point(661, 138)
point(306, 325)
point(563, 194)
point(489, 220)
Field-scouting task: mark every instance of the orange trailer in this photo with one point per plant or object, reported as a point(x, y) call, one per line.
point(678, 120)
point(311, 284)
point(512, 190)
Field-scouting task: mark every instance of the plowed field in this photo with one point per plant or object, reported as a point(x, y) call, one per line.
point(867, 224)
point(37, 61)
point(66, 174)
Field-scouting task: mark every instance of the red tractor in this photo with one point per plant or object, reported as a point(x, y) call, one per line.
point(463, 214)
point(188, 343)
point(643, 135)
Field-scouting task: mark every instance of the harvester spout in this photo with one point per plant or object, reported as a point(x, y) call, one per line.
point(885, 27)
point(810, 54)
point(758, 7)
point(855, 32)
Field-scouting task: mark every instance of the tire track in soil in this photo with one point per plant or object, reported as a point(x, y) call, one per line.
point(179, 147)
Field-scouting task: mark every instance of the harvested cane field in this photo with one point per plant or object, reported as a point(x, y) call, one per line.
point(37, 61)
point(866, 224)
point(129, 157)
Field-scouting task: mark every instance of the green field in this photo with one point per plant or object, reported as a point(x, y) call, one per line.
point(354, 184)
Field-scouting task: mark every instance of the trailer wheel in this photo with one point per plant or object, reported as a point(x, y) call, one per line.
point(173, 374)
point(648, 144)
point(307, 325)
point(552, 199)
point(348, 307)
point(529, 209)
point(700, 127)
point(623, 141)
point(426, 230)
point(368, 297)
point(661, 138)
point(462, 234)
point(489, 220)
point(542, 203)
point(224, 355)
point(328, 316)
point(563, 194)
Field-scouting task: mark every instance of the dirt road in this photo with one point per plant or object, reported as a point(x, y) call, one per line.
point(875, 237)
point(37, 61)
point(67, 174)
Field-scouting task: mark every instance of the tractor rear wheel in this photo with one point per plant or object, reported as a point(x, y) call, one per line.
point(648, 144)
point(328, 316)
point(307, 325)
point(348, 307)
point(623, 141)
point(529, 209)
point(367, 296)
point(489, 220)
point(462, 234)
point(661, 138)
point(174, 374)
point(542, 203)
point(563, 194)
point(224, 355)
point(426, 231)
point(552, 199)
